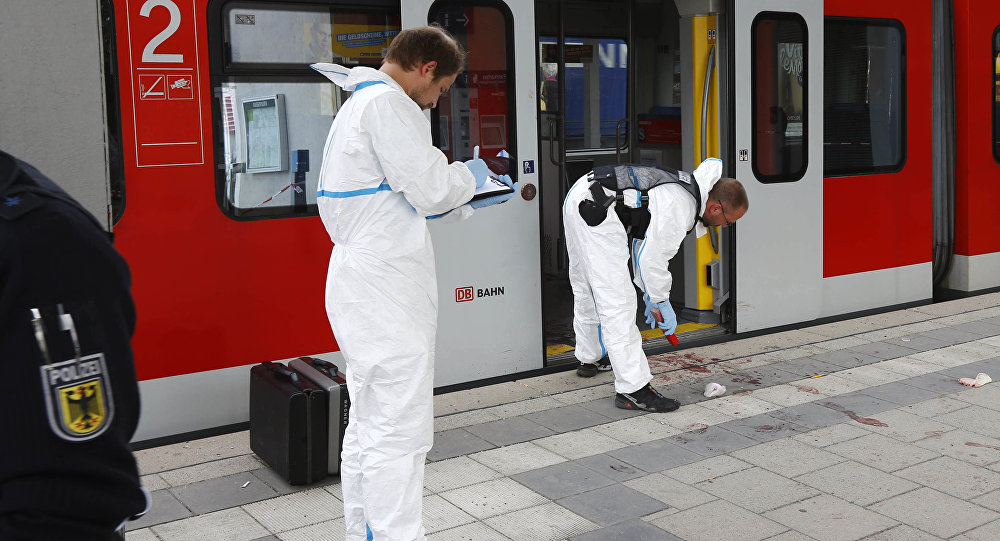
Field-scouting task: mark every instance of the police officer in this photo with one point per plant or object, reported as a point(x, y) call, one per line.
point(68, 386)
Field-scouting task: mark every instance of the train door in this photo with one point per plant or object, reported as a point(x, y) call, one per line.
point(488, 286)
point(777, 85)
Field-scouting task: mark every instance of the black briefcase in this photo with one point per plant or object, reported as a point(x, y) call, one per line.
point(326, 375)
point(288, 423)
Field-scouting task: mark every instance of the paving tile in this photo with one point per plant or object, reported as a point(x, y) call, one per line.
point(612, 504)
point(707, 468)
point(904, 426)
point(690, 417)
point(848, 358)
point(226, 525)
point(629, 529)
point(764, 428)
point(889, 349)
point(456, 472)
point(561, 480)
point(900, 392)
point(902, 533)
point(974, 419)
point(990, 500)
point(492, 498)
point(791, 535)
point(957, 355)
point(756, 378)
point(692, 525)
point(787, 395)
point(611, 467)
point(579, 443)
point(882, 452)
point(842, 343)
point(270, 478)
point(986, 532)
point(440, 514)
point(757, 489)
point(832, 385)
point(331, 530)
point(937, 406)
point(935, 512)
point(268, 538)
point(143, 534)
point(739, 406)
point(456, 442)
point(548, 522)
point(296, 510)
point(826, 436)
point(179, 455)
point(810, 415)
point(925, 342)
point(909, 367)
point(935, 382)
point(856, 483)
point(514, 409)
point(508, 431)
point(952, 335)
point(153, 482)
point(655, 455)
point(164, 507)
point(859, 404)
point(870, 375)
point(517, 458)
point(670, 491)
point(787, 457)
point(567, 418)
point(606, 407)
point(211, 470)
point(953, 476)
point(637, 429)
point(810, 366)
point(825, 517)
point(475, 531)
point(585, 395)
point(711, 441)
point(987, 396)
point(462, 419)
point(222, 493)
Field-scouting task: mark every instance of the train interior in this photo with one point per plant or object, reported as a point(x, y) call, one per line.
point(612, 87)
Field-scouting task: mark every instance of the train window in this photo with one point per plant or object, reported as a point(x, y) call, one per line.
point(863, 97)
point(779, 88)
point(596, 82)
point(479, 108)
point(996, 94)
point(272, 112)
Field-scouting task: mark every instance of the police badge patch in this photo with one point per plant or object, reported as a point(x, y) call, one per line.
point(78, 397)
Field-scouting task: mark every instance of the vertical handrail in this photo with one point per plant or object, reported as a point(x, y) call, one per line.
point(618, 142)
point(704, 106)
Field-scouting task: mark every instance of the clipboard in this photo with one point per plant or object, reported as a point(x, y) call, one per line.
point(492, 187)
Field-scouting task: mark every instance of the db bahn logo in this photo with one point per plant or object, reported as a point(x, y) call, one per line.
point(468, 293)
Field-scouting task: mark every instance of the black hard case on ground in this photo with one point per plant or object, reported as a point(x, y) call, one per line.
point(288, 423)
point(328, 377)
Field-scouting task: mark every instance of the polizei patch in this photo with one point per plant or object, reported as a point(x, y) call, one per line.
point(78, 397)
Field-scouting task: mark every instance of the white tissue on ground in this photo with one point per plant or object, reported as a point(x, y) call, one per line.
point(714, 389)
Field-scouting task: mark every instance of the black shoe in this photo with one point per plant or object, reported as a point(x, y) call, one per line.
point(589, 370)
point(646, 399)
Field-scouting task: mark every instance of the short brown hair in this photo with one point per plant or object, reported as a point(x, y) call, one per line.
point(417, 46)
point(730, 193)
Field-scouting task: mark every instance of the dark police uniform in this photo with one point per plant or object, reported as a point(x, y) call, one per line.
point(68, 388)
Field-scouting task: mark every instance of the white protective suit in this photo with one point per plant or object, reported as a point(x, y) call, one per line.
point(604, 303)
point(381, 177)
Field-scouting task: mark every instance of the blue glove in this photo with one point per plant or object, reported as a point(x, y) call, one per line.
point(479, 169)
point(496, 199)
point(669, 323)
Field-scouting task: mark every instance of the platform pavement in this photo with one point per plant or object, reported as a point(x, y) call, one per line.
point(850, 430)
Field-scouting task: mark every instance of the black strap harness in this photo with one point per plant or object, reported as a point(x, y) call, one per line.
point(641, 178)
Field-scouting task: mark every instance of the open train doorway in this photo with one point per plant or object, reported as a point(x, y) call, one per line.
point(628, 82)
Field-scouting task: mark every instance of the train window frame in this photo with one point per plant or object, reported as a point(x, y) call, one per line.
point(996, 94)
point(901, 163)
point(223, 71)
point(511, 83)
point(801, 172)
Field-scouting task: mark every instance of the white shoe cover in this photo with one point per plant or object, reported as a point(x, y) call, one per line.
point(714, 389)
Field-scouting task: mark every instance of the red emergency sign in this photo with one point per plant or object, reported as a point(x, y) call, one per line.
point(166, 100)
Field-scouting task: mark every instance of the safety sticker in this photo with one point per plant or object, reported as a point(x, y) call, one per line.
point(152, 87)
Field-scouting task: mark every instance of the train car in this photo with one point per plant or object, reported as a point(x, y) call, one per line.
point(195, 128)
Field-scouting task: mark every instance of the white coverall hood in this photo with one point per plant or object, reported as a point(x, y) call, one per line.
point(381, 177)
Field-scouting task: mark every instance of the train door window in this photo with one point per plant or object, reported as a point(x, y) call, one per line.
point(479, 108)
point(779, 88)
point(272, 112)
point(996, 94)
point(596, 88)
point(863, 96)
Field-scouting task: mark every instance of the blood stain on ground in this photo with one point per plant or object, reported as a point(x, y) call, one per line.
point(973, 444)
point(807, 389)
